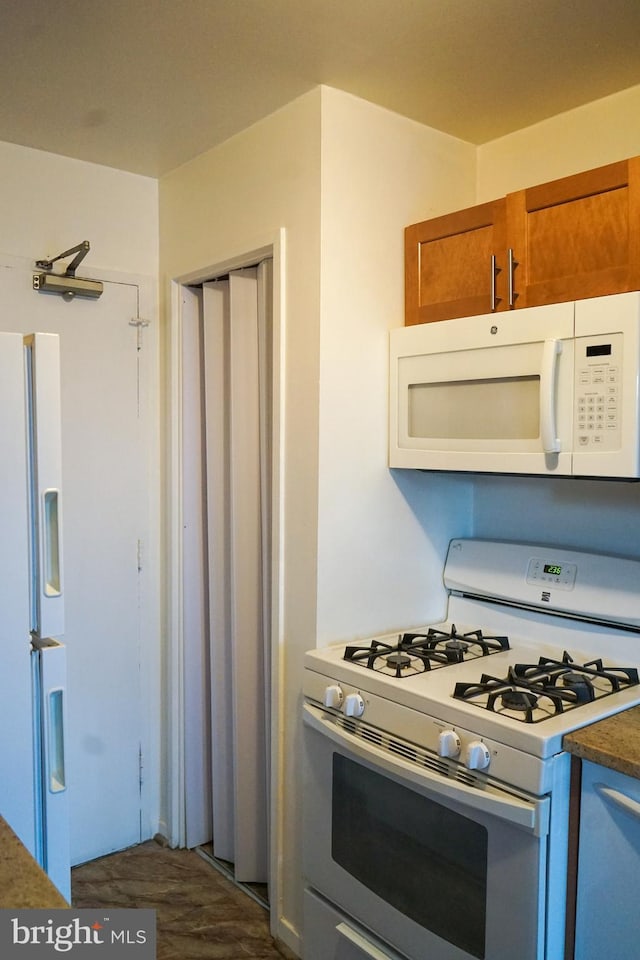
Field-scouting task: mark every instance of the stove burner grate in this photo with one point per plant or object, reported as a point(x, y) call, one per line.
point(614, 678)
point(456, 646)
point(420, 652)
point(386, 658)
point(535, 692)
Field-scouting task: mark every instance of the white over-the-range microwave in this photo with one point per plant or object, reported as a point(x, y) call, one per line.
point(543, 390)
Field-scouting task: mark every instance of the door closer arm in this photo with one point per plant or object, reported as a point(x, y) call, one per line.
point(66, 284)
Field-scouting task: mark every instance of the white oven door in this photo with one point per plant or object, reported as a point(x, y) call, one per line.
point(490, 394)
point(432, 866)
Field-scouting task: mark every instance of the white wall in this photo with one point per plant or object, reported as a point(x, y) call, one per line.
point(381, 536)
point(597, 515)
point(589, 136)
point(229, 201)
point(51, 203)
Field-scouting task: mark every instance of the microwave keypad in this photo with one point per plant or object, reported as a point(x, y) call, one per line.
point(597, 409)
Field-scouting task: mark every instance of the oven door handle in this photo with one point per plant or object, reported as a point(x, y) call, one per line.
point(530, 815)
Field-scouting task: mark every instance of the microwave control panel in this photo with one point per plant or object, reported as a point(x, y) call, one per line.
point(598, 393)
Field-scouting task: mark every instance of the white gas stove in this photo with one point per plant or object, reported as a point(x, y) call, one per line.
point(537, 641)
point(524, 656)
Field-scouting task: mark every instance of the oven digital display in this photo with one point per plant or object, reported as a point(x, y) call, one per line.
point(561, 575)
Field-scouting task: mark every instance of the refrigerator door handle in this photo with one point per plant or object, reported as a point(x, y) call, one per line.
point(51, 557)
point(54, 764)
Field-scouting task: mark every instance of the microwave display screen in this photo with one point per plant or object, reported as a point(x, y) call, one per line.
point(553, 568)
point(599, 350)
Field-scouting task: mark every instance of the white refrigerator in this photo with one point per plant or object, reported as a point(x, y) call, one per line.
point(33, 783)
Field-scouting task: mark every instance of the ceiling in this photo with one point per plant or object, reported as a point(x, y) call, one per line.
point(145, 85)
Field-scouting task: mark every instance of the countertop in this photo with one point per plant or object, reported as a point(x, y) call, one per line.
point(22, 882)
point(613, 743)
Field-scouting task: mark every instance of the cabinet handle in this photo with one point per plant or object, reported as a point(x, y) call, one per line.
point(513, 263)
point(627, 804)
point(495, 270)
point(366, 948)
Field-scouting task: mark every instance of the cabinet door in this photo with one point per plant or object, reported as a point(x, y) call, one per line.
point(449, 270)
point(577, 237)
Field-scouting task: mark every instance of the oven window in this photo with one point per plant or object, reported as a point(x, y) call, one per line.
point(423, 858)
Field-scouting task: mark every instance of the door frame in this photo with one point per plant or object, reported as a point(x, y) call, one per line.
point(173, 822)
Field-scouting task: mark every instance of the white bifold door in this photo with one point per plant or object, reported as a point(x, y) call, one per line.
point(227, 431)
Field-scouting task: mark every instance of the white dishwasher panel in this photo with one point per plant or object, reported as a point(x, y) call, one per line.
point(607, 919)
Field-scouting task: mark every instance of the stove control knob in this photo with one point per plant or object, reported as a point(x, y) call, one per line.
point(448, 744)
point(353, 705)
point(477, 756)
point(333, 696)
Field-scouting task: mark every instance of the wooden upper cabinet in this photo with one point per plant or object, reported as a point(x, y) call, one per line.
point(449, 270)
point(578, 237)
point(570, 239)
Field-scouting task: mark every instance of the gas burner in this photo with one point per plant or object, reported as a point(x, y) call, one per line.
point(582, 686)
point(514, 699)
point(398, 660)
point(455, 649)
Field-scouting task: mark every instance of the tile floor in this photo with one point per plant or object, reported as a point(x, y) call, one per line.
point(200, 914)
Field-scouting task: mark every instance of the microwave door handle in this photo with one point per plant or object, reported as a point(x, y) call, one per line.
point(548, 377)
